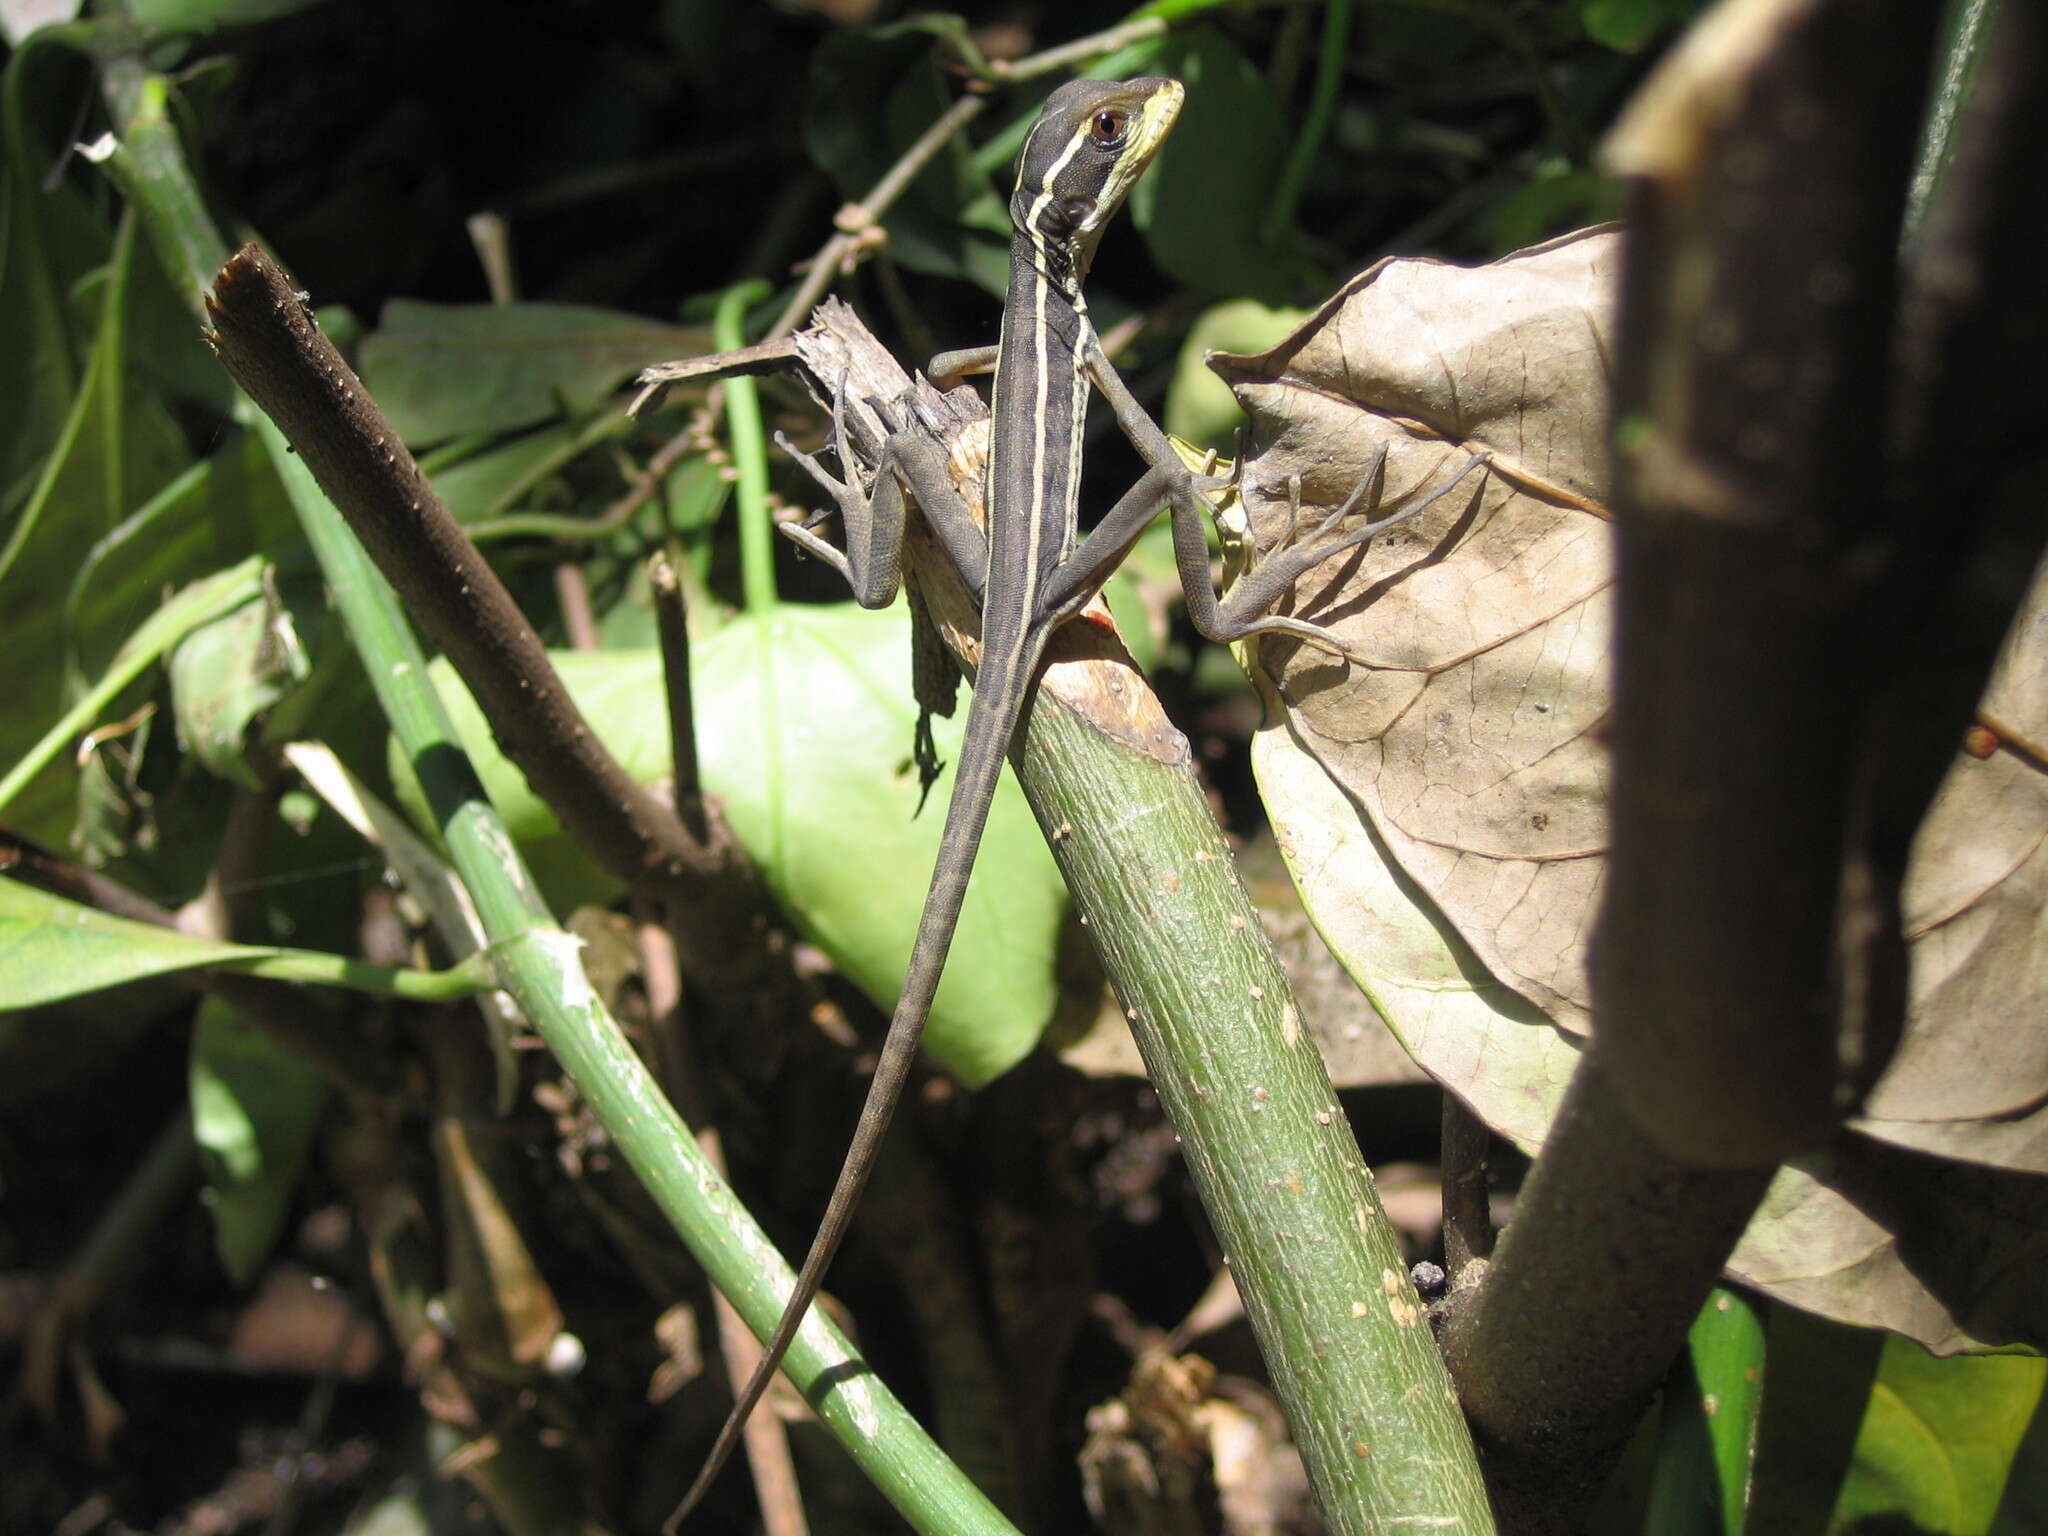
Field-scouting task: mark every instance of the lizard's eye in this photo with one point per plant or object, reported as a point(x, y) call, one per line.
point(1106, 128)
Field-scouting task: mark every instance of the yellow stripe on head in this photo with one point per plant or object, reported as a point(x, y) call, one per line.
point(1090, 144)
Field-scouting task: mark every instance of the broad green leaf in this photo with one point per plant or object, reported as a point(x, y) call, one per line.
point(804, 724)
point(807, 720)
point(1199, 406)
point(487, 483)
point(1225, 154)
point(1727, 1346)
point(1938, 1439)
point(1558, 196)
point(52, 949)
point(1707, 1423)
point(166, 347)
point(255, 1107)
point(442, 370)
point(2024, 1509)
point(696, 493)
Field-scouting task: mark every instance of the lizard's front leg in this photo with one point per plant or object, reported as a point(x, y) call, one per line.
point(1171, 483)
point(872, 561)
point(1243, 613)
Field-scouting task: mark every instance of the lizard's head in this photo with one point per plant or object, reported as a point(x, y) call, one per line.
point(1093, 139)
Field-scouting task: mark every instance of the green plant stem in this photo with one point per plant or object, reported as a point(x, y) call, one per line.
point(146, 161)
point(749, 451)
point(1315, 123)
point(466, 979)
point(1279, 1172)
point(1962, 46)
point(538, 963)
point(1319, 1267)
point(1587, 1299)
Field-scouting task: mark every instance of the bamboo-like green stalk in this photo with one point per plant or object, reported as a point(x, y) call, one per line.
point(1346, 1340)
point(749, 451)
point(535, 959)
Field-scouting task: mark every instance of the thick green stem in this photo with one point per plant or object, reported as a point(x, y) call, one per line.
point(1321, 1273)
point(1279, 1171)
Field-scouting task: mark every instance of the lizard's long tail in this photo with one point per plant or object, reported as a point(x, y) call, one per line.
point(1001, 693)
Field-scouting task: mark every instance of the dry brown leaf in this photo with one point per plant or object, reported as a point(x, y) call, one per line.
point(1971, 1075)
point(1442, 801)
point(1469, 733)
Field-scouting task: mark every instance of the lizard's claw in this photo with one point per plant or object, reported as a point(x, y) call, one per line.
point(842, 492)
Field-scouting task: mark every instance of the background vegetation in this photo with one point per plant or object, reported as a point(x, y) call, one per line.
point(281, 1256)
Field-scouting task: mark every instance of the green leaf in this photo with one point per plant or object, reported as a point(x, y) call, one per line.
point(197, 604)
point(228, 673)
point(808, 719)
point(1195, 205)
point(1707, 1423)
point(52, 949)
point(874, 91)
point(804, 724)
point(1938, 1439)
point(255, 1107)
point(1557, 197)
point(167, 347)
point(1727, 1344)
point(210, 15)
point(215, 514)
point(117, 448)
point(49, 240)
point(1200, 407)
point(442, 370)
point(1628, 26)
point(2024, 1509)
point(492, 481)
